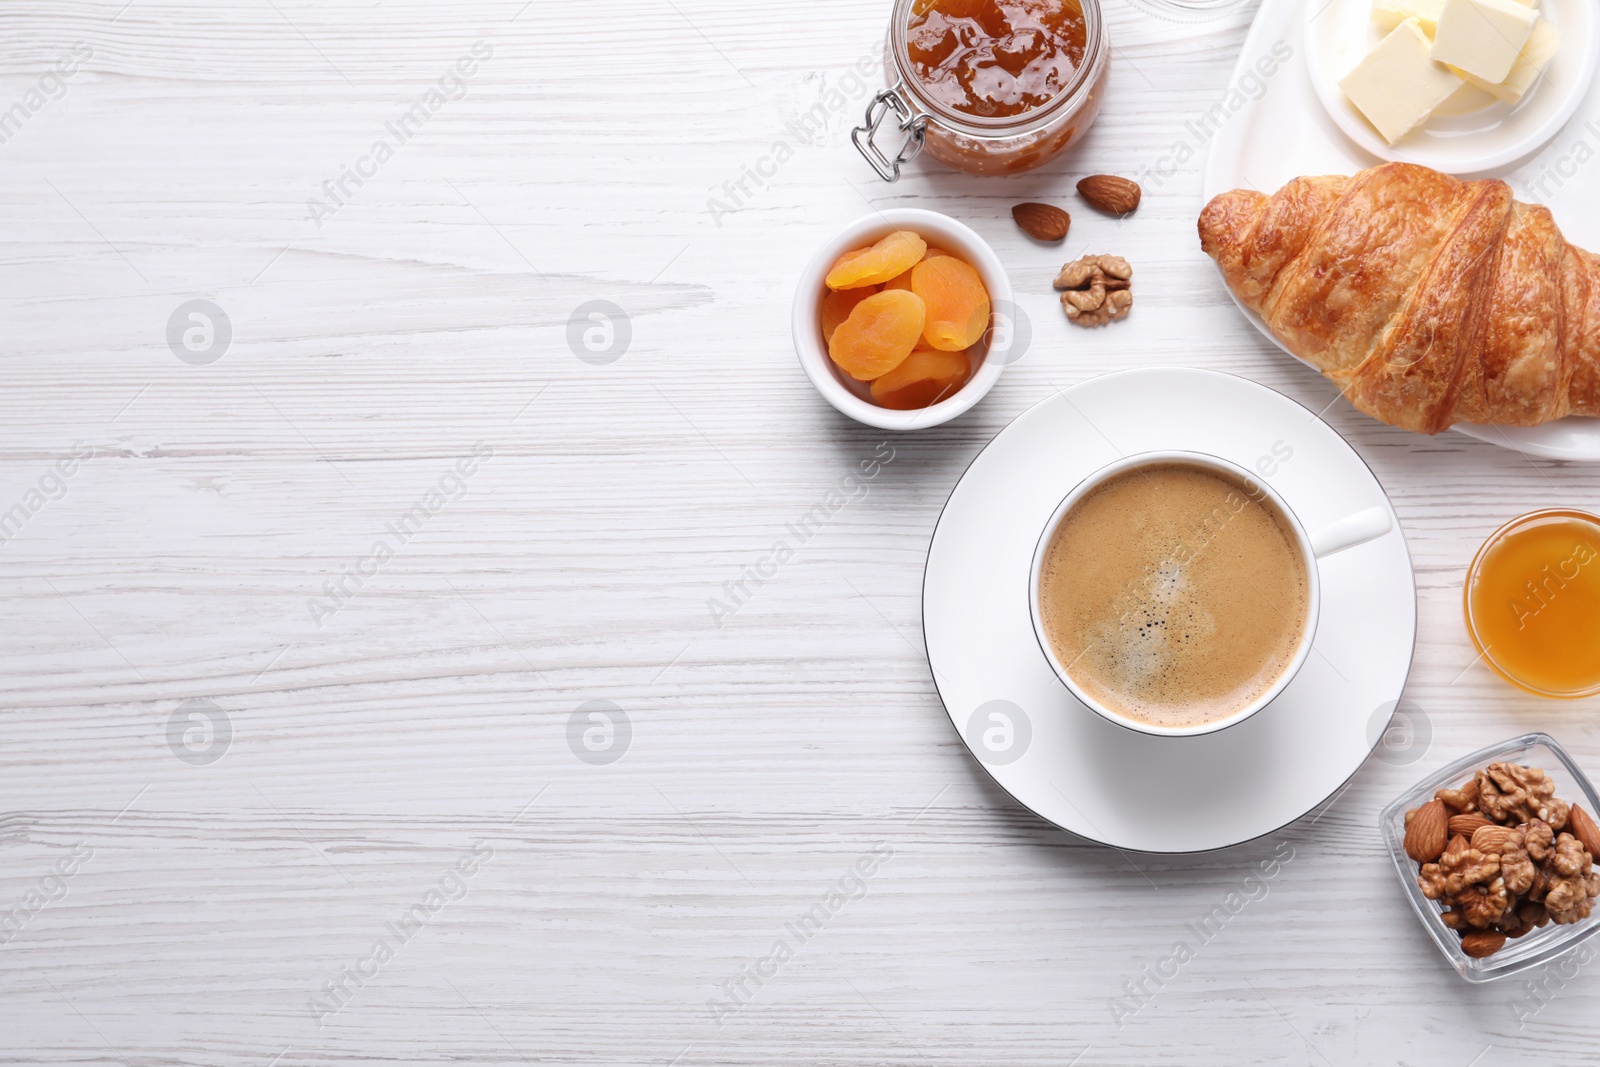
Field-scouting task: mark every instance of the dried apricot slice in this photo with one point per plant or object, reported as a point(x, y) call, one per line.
point(879, 334)
point(903, 279)
point(957, 302)
point(837, 305)
point(897, 252)
point(924, 378)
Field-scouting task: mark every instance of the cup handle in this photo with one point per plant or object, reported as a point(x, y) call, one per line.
point(1350, 531)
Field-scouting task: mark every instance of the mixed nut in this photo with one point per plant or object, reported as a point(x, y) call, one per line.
point(1111, 194)
point(1504, 856)
point(1103, 192)
point(1096, 289)
point(1042, 222)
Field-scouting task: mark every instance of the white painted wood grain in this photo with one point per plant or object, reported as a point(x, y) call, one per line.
point(371, 754)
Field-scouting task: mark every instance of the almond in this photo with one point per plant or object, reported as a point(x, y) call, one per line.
point(1109, 193)
point(1041, 221)
point(1487, 839)
point(1584, 829)
point(1428, 832)
point(1466, 824)
point(1481, 943)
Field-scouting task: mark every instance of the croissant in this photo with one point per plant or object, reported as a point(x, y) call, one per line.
point(1427, 299)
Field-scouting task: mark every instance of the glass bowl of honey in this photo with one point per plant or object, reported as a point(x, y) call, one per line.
point(1532, 602)
point(987, 86)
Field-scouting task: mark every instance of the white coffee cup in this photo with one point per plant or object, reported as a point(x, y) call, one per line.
point(1356, 529)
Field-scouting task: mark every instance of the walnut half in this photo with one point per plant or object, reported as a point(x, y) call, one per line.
point(1096, 289)
point(1511, 793)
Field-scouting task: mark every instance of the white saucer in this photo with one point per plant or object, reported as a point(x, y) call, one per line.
point(1473, 133)
point(1108, 783)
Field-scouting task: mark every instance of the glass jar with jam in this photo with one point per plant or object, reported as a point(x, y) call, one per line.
point(987, 86)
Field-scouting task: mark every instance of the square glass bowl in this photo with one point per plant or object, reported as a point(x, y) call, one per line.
point(1519, 954)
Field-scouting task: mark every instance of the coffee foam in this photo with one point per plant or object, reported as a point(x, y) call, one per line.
point(1173, 595)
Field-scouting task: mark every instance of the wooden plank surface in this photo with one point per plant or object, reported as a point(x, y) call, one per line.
point(613, 912)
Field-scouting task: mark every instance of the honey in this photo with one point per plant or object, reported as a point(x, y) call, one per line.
point(996, 58)
point(1533, 602)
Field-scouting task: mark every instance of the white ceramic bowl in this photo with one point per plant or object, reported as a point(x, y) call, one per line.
point(852, 397)
point(1473, 133)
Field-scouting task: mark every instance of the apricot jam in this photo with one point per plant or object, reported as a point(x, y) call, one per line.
point(1533, 602)
point(985, 86)
point(996, 58)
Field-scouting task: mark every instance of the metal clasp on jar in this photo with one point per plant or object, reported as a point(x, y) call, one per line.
point(911, 122)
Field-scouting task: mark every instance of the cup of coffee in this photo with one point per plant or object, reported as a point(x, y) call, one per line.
point(1176, 595)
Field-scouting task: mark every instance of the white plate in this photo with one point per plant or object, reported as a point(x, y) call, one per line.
point(1474, 133)
point(1280, 132)
point(1108, 783)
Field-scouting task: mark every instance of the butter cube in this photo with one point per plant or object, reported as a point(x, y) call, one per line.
point(1391, 13)
point(1483, 37)
point(1397, 85)
point(1536, 55)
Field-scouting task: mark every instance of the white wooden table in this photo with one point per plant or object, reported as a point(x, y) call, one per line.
point(396, 764)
